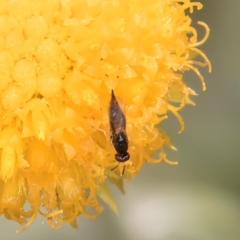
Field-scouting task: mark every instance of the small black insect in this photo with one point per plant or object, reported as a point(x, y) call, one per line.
point(118, 129)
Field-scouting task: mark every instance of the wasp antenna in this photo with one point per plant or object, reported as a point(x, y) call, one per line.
point(123, 170)
point(115, 167)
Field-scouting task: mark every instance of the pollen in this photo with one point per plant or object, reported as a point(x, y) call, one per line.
point(59, 63)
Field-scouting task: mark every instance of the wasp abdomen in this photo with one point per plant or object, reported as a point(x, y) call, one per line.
point(116, 116)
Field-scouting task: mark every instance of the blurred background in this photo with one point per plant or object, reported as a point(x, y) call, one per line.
point(200, 198)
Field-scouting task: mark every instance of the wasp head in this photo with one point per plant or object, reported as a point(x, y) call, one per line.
point(122, 157)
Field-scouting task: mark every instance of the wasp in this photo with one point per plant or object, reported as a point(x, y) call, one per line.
point(119, 138)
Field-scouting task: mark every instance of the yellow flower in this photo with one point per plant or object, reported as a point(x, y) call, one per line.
point(59, 61)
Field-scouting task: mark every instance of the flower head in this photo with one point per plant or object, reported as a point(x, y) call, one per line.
point(59, 62)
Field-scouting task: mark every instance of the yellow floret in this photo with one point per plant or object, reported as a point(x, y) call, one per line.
point(59, 61)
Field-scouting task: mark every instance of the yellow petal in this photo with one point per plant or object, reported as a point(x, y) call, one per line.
point(8, 162)
point(117, 180)
point(105, 194)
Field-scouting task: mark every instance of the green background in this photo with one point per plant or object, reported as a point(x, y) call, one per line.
point(199, 198)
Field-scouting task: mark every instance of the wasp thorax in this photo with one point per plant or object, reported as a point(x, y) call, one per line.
point(120, 142)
